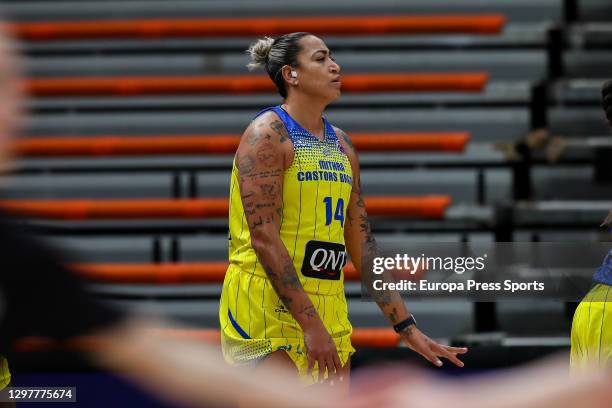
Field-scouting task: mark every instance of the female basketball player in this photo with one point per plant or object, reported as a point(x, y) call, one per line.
point(591, 327)
point(296, 206)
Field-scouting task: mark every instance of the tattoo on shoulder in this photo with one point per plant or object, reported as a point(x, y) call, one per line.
point(245, 164)
point(346, 138)
point(254, 137)
point(280, 130)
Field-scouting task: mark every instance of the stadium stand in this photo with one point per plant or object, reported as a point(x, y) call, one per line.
point(491, 107)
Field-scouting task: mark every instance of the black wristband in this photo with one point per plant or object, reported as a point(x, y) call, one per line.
point(404, 323)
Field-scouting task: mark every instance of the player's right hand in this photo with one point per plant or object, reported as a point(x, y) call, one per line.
point(321, 349)
point(431, 350)
point(606, 100)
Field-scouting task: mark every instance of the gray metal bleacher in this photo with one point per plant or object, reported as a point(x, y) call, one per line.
point(520, 62)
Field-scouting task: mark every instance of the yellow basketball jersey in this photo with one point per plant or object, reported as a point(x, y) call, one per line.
point(316, 193)
point(591, 338)
point(5, 374)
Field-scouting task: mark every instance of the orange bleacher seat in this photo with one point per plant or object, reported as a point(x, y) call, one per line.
point(185, 272)
point(165, 273)
point(426, 207)
point(258, 26)
point(361, 337)
point(222, 144)
point(250, 84)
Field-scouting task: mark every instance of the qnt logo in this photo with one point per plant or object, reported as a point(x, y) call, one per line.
point(323, 260)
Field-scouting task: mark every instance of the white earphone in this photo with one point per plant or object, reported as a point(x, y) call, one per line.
point(293, 74)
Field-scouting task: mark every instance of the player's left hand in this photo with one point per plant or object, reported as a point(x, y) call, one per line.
point(432, 351)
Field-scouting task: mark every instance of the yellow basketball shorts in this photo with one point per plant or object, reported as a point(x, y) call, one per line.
point(592, 331)
point(254, 323)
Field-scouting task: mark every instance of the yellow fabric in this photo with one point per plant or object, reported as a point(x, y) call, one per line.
point(592, 331)
point(316, 192)
point(5, 374)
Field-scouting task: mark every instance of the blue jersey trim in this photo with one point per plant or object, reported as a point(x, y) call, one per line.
point(294, 128)
point(237, 326)
point(604, 272)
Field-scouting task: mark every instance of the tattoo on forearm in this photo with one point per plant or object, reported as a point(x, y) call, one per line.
point(393, 316)
point(408, 331)
point(258, 221)
point(369, 251)
point(291, 281)
point(309, 311)
point(286, 300)
point(271, 275)
point(287, 280)
point(382, 298)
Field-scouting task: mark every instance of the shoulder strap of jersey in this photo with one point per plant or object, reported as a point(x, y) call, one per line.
point(329, 131)
point(289, 123)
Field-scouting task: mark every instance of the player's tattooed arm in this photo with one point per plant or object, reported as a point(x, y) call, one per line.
point(363, 249)
point(362, 245)
point(261, 161)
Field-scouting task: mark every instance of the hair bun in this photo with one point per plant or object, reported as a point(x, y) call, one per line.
point(259, 52)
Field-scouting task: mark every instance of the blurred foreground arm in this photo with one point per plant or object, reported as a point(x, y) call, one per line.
point(540, 385)
point(193, 373)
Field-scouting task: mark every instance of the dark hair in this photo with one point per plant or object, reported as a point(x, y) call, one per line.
point(274, 54)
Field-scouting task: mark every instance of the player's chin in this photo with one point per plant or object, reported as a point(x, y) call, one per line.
point(334, 94)
point(328, 94)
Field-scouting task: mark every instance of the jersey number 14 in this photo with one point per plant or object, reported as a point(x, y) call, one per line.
point(338, 214)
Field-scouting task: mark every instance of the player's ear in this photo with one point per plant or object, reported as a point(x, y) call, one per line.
point(289, 74)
